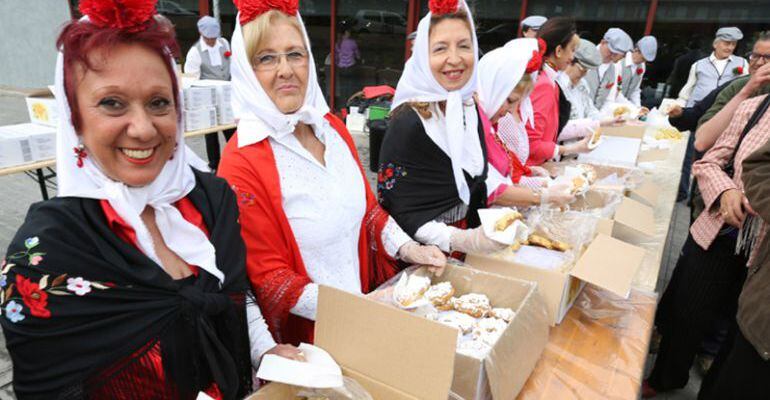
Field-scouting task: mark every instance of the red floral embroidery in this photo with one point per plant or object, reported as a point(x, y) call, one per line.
point(441, 7)
point(228, 53)
point(33, 297)
point(387, 175)
point(130, 15)
point(251, 9)
point(738, 71)
point(639, 71)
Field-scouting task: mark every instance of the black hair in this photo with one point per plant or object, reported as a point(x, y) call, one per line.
point(557, 31)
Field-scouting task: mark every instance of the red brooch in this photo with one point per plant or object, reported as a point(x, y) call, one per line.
point(228, 53)
point(80, 153)
point(639, 71)
point(251, 9)
point(130, 15)
point(441, 7)
point(738, 71)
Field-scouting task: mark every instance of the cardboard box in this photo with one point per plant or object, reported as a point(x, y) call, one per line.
point(26, 143)
point(223, 90)
point(607, 262)
point(397, 355)
point(199, 97)
point(633, 220)
point(199, 118)
point(631, 129)
point(225, 115)
point(41, 107)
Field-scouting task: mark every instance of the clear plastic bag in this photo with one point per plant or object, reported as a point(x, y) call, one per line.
point(577, 229)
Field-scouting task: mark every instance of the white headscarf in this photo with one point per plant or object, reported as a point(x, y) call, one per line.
point(257, 115)
point(500, 71)
point(417, 84)
point(174, 182)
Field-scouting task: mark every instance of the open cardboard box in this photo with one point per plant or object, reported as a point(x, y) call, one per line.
point(607, 262)
point(397, 355)
point(633, 220)
point(41, 107)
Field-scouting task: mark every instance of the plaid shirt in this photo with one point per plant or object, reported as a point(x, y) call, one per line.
point(713, 181)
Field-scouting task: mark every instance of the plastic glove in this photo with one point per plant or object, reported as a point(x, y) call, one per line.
point(577, 147)
point(287, 351)
point(429, 256)
point(617, 121)
point(473, 241)
point(559, 194)
point(539, 171)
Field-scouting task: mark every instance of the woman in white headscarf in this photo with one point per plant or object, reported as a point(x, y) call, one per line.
point(507, 75)
point(433, 161)
point(308, 214)
point(132, 282)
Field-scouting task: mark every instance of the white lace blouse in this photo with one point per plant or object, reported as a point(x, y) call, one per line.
point(325, 206)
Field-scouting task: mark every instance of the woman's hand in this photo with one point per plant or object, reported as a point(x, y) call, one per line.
point(559, 195)
point(539, 171)
point(733, 206)
point(429, 256)
point(577, 147)
point(287, 351)
point(473, 241)
point(617, 121)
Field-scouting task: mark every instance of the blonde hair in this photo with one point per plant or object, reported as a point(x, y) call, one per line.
point(525, 84)
point(255, 31)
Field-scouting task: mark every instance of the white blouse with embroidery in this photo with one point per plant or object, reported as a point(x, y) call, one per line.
point(325, 206)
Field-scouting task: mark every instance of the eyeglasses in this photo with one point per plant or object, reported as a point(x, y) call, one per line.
point(757, 57)
point(270, 61)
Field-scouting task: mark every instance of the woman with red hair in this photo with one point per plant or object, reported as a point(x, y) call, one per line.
point(132, 282)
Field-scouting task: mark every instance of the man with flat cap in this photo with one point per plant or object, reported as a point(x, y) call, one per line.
point(532, 24)
point(209, 58)
point(633, 67)
point(602, 81)
point(583, 113)
point(710, 72)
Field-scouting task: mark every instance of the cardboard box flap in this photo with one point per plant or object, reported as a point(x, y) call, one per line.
point(636, 216)
point(408, 353)
point(605, 226)
point(610, 264)
point(646, 193)
point(629, 130)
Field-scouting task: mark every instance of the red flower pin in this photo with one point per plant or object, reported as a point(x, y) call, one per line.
point(639, 71)
point(620, 79)
point(33, 297)
point(610, 85)
point(738, 71)
point(228, 53)
point(129, 15)
point(251, 9)
point(441, 7)
point(534, 63)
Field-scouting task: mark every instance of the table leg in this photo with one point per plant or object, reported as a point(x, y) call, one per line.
point(41, 182)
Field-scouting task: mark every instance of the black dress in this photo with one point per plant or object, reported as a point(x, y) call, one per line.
point(415, 180)
point(82, 308)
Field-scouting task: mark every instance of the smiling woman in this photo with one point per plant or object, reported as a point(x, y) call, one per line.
point(131, 283)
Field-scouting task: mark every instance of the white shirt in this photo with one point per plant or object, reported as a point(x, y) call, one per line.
point(579, 97)
point(686, 91)
point(259, 336)
point(325, 206)
point(192, 63)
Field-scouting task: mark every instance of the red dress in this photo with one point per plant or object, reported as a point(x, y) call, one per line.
point(147, 369)
point(273, 260)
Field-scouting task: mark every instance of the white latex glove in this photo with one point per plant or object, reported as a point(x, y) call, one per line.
point(473, 241)
point(559, 194)
point(429, 256)
point(577, 147)
point(539, 171)
point(617, 121)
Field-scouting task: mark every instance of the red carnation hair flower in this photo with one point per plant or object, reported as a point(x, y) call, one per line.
point(535, 62)
point(542, 46)
point(441, 7)
point(129, 15)
point(251, 9)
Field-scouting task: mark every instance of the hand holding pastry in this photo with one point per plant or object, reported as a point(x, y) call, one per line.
point(430, 256)
point(473, 241)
